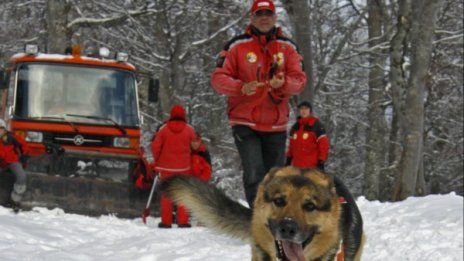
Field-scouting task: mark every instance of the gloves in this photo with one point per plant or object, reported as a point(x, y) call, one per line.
point(23, 159)
point(288, 162)
point(320, 164)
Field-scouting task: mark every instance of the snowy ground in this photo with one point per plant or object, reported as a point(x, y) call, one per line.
point(418, 229)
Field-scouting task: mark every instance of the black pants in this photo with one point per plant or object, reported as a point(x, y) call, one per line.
point(259, 152)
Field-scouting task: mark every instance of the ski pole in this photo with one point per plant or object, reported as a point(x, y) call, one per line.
point(146, 211)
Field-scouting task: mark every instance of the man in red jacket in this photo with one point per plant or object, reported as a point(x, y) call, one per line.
point(258, 71)
point(309, 145)
point(172, 156)
point(13, 154)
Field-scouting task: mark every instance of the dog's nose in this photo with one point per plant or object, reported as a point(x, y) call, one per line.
point(288, 228)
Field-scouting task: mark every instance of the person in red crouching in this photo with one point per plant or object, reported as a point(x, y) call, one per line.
point(13, 159)
point(172, 156)
point(201, 160)
point(309, 144)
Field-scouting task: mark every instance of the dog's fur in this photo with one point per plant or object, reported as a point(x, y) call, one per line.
point(297, 215)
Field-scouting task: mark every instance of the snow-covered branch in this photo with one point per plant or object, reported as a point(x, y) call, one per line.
point(107, 22)
point(199, 43)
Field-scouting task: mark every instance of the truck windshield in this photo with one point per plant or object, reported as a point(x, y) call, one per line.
point(52, 91)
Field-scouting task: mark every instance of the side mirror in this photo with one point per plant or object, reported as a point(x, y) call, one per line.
point(153, 89)
point(3, 81)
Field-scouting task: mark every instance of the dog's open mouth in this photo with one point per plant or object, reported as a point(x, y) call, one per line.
point(290, 251)
point(291, 238)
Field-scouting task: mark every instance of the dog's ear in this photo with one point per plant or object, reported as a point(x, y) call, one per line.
point(280, 172)
point(319, 177)
point(322, 179)
point(271, 174)
point(260, 195)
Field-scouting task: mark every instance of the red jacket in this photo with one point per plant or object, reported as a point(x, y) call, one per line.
point(247, 58)
point(308, 143)
point(11, 149)
point(171, 147)
point(201, 163)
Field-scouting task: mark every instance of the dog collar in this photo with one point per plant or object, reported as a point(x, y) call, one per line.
point(340, 256)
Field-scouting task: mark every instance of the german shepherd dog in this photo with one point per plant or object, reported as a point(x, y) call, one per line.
point(298, 215)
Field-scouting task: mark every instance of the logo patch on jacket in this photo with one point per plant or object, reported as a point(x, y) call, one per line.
point(279, 58)
point(251, 57)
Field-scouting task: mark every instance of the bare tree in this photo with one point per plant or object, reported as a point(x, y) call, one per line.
point(411, 180)
point(443, 135)
point(341, 86)
point(61, 27)
point(20, 23)
point(300, 16)
point(58, 34)
point(375, 143)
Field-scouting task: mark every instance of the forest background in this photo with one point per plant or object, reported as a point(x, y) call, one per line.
point(384, 76)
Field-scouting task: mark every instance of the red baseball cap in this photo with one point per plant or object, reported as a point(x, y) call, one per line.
point(262, 5)
point(178, 111)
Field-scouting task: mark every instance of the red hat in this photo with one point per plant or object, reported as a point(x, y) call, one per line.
point(262, 5)
point(177, 111)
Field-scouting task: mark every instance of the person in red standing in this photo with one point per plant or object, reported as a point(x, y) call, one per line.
point(259, 71)
point(201, 160)
point(309, 144)
point(13, 157)
point(172, 156)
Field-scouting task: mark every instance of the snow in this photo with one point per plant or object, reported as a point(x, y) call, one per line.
point(62, 57)
point(417, 229)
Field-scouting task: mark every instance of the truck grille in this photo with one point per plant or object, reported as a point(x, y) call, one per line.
point(84, 140)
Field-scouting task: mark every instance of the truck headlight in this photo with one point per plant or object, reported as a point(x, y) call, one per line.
point(31, 49)
point(122, 57)
point(34, 136)
point(104, 52)
point(121, 142)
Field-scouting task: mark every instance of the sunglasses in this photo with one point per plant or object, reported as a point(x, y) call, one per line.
point(264, 12)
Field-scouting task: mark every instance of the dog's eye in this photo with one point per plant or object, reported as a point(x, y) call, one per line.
point(309, 207)
point(279, 202)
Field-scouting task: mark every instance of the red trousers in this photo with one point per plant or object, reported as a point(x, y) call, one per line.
point(167, 207)
point(166, 212)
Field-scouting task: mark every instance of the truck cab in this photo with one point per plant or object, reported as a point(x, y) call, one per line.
point(74, 112)
point(71, 108)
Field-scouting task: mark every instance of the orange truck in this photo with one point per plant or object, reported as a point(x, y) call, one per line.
point(80, 117)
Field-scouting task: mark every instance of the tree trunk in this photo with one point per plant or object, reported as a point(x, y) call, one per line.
point(398, 52)
point(375, 158)
point(219, 107)
point(387, 176)
point(58, 36)
point(422, 32)
point(300, 13)
point(421, 185)
point(166, 91)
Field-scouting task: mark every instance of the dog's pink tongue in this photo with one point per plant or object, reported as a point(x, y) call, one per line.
point(293, 251)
